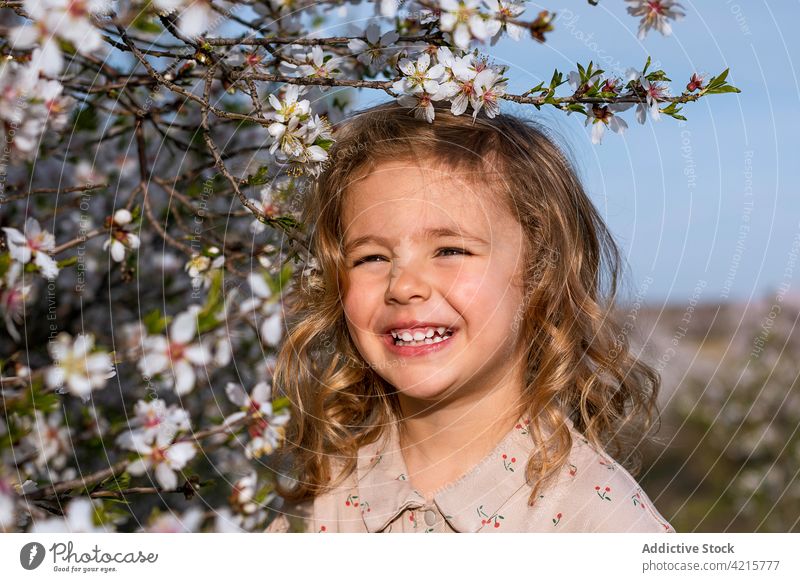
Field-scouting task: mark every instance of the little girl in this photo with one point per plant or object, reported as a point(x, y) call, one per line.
point(453, 363)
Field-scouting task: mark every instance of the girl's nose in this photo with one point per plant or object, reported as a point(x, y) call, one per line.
point(407, 283)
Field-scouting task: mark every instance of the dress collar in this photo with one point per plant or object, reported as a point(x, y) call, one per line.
point(470, 503)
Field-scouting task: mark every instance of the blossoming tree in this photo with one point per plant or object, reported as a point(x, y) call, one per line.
point(154, 156)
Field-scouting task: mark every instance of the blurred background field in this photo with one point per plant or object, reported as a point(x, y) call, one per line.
point(729, 453)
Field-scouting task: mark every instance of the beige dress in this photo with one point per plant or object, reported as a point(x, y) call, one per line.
point(593, 493)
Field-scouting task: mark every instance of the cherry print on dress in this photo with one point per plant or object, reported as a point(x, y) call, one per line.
point(637, 500)
point(487, 519)
point(603, 494)
point(523, 427)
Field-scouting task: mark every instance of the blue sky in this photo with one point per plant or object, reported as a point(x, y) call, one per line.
point(706, 208)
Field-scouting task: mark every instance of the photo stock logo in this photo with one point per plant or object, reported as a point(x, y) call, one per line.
point(68, 558)
point(31, 555)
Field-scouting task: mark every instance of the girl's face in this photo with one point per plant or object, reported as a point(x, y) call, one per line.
point(427, 248)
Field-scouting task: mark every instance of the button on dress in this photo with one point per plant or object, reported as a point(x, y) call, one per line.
point(593, 493)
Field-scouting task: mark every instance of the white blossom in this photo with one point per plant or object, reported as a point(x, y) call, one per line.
point(490, 86)
point(76, 366)
point(605, 116)
point(195, 17)
point(418, 76)
point(31, 104)
point(266, 430)
point(161, 456)
point(244, 490)
point(422, 103)
point(463, 19)
point(33, 243)
point(248, 513)
point(316, 65)
point(288, 106)
point(201, 269)
point(69, 20)
point(501, 11)
point(296, 133)
point(377, 49)
point(51, 440)
point(121, 240)
point(295, 141)
point(460, 71)
point(655, 15)
point(655, 91)
point(155, 418)
point(176, 353)
point(263, 302)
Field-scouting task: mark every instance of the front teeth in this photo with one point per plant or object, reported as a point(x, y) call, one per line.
point(421, 337)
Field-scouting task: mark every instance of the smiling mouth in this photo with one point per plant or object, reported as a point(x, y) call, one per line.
point(434, 339)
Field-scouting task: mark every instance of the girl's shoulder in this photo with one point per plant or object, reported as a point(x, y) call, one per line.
point(601, 495)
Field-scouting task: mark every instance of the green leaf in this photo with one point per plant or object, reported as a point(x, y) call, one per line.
point(284, 276)
point(288, 222)
point(67, 46)
point(540, 86)
point(155, 322)
point(658, 76)
point(118, 483)
point(147, 25)
point(260, 177)
point(591, 73)
point(324, 143)
point(720, 79)
point(556, 81)
point(718, 85)
point(672, 110)
point(725, 89)
point(206, 318)
point(85, 118)
point(259, 497)
point(68, 262)
point(5, 263)
point(280, 403)
point(33, 398)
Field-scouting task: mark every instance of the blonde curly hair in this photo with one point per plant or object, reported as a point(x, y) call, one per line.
point(578, 361)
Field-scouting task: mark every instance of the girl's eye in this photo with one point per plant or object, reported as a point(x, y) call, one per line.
point(459, 251)
point(369, 258)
